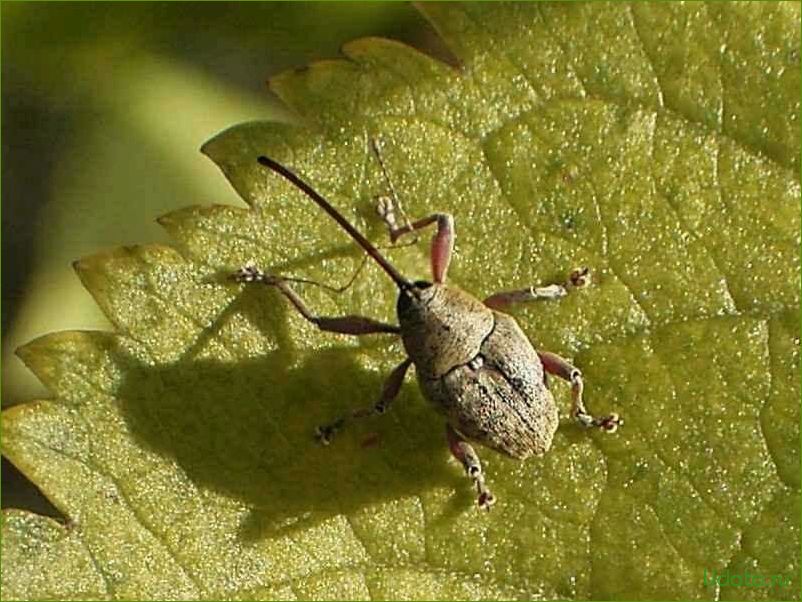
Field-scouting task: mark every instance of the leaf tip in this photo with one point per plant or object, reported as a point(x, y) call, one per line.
point(80, 266)
point(29, 351)
point(87, 268)
point(86, 265)
point(204, 148)
point(23, 351)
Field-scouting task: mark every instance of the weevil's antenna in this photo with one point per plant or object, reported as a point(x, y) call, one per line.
point(400, 281)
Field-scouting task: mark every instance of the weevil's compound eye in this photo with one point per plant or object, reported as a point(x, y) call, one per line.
point(411, 297)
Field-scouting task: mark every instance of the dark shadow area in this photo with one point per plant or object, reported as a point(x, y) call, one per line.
point(20, 492)
point(245, 428)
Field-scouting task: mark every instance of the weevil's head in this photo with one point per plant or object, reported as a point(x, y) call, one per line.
point(413, 299)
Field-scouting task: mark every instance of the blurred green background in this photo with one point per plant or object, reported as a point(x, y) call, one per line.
point(104, 107)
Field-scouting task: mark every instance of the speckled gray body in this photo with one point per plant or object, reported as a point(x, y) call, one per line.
point(476, 366)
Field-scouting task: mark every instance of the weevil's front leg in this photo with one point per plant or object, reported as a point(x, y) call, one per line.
point(356, 325)
point(554, 364)
point(578, 278)
point(390, 391)
point(464, 452)
point(442, 242)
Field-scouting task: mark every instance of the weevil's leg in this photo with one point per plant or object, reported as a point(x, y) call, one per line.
point(578, 278)
point(554, 364)
point(334, 289)
point(464, 452)
point(388, 208)
point(442, 242)
point(390, 390)
point(356, 325)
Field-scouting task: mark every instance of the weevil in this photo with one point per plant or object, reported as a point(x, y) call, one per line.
point(473, 362)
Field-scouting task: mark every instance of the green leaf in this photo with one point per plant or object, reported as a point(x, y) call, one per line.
point(656, 143)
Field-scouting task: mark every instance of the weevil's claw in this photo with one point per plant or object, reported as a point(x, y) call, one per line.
point(250, 273)
point(610, 423)
point(324, 434)
point(486, 500)
point(247, 273)
point(579, 277)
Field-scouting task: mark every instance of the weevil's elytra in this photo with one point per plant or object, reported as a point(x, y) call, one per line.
point(505, 404)
point(473, 362)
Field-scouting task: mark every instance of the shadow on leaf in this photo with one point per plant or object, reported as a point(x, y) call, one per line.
point(245, 428)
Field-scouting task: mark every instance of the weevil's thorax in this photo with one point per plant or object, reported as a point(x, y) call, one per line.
point(442, 327)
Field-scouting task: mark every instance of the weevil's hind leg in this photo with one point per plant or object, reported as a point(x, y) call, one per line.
point(577, 279)
point(464, 452)
point(554, 364)
point(390, 390)
point(442, 242)
point(355, 325)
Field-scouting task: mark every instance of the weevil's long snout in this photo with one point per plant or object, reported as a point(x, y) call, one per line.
point(400, 281)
